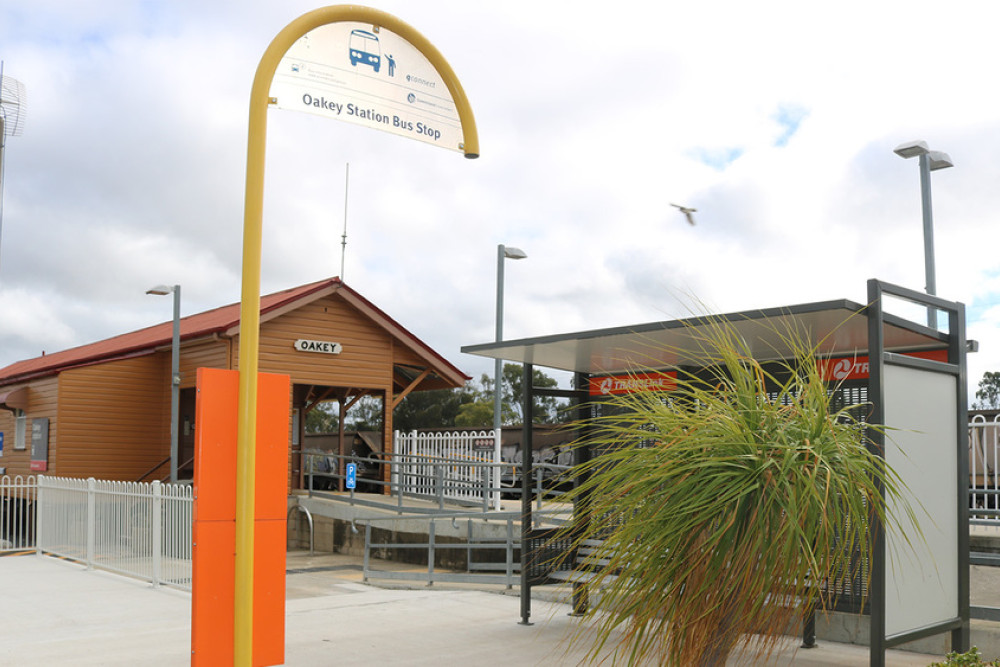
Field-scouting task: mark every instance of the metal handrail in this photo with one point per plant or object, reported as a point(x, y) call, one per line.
point(159, 465)
point(510, 543)
point(436, 483)
point(309, 520)
point(156, 467)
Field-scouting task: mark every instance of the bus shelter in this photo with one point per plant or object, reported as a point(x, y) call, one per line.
point(904, 354)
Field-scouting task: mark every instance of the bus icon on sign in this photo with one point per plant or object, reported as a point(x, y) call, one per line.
point(364, 49)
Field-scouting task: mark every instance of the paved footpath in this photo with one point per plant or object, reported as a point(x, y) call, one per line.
point(54, 612)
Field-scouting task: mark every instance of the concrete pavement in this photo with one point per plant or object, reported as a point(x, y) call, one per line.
point(55, 612)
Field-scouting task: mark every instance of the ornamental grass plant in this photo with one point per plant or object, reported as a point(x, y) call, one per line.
point(720, 505)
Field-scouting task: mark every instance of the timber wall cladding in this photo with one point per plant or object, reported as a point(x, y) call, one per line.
point(114, 418)
point(406, 356)
point(366, 359)
point(200, 354)
point(41, 403)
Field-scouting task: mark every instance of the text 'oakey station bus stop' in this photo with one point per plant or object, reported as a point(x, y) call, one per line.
point(915, 385)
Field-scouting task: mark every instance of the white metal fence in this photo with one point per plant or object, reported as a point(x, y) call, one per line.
point(134, 528)
point(459, 465)
point(17, 513)
point(145, 529)
point(984, 471)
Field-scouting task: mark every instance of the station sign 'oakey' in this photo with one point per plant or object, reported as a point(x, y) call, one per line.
point(324, 346)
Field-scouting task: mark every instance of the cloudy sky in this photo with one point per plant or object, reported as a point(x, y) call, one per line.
point(776, 120)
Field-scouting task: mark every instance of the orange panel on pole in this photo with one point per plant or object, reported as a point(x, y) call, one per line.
point(269, 593)
point(215, 430)
point(213, 585)
point(212, 592)
point(272, 447)
point(270, 516)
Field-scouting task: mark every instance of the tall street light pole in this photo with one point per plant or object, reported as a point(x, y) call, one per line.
point(503, 252)
point(929, 161)
point(175, 372)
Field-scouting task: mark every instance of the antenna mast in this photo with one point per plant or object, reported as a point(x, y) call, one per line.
point(12, 107)
point(343, 237)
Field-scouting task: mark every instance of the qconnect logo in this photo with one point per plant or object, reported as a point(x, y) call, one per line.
point(848, 368)
point(420, 81)
point(842, 369)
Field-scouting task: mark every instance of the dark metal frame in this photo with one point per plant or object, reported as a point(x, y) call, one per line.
point(956, 366)
point(532, 541)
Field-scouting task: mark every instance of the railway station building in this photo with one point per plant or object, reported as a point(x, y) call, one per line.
point(103, 409)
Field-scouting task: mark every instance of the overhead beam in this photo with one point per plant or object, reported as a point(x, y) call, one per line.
point(413, 385)
point(309, 407)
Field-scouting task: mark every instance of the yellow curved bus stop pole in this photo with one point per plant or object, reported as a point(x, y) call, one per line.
point(250, 293)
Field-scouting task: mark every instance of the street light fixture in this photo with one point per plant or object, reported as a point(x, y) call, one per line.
point(175, 372)
point(929, 161)
point(503, 252)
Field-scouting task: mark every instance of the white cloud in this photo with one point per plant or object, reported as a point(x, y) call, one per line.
point(130, 171)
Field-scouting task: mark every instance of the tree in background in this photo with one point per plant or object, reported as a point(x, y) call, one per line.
point(427, 409)
point(475, 414)
point(988, 394)
point(322, 419)
point(470, 406)
point(478, 412)
point(546, 409)
point(365, 415)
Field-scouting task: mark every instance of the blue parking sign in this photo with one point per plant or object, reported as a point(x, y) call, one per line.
point(352, 475)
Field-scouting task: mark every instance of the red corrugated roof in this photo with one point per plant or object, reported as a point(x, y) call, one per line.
point(220, 320)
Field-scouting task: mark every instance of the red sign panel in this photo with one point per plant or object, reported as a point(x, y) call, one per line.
point(858, 368)
point(483, 444)
point(625, 384)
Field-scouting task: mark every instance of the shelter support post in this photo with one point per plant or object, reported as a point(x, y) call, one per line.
point(961, 638)
point(528, 400)
point(581, 455)
point(809, 627)
point(876, 619)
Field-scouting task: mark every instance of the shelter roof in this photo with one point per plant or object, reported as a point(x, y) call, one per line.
point(837, 328)
point(224, 321)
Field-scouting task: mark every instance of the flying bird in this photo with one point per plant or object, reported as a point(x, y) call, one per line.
point(687, 212)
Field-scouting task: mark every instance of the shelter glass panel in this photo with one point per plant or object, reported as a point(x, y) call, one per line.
point(922, 579)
